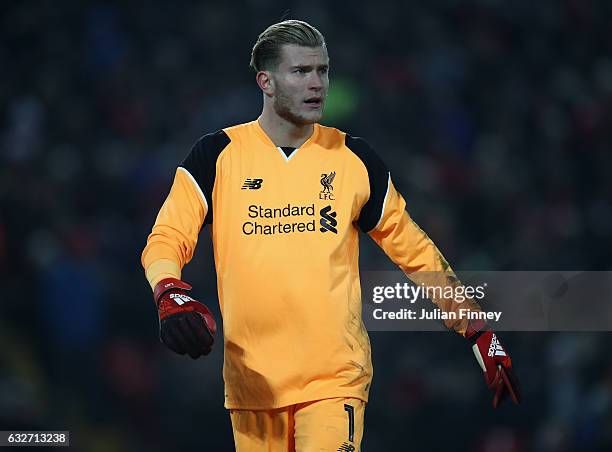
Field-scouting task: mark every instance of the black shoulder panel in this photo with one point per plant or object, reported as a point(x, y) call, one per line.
point(202, 162)
point(378, 176)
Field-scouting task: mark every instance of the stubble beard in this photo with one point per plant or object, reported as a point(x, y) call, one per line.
point(282, 107)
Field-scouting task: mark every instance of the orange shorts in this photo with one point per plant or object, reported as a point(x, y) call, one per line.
point(321, 425)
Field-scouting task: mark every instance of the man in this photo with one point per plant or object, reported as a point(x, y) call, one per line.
point(285, 198)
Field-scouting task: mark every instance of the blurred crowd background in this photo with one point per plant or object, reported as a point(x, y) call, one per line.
point(494, 116)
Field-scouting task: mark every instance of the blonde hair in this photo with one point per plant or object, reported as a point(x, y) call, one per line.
point(266, 52)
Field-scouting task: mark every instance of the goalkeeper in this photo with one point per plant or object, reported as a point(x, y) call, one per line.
point(285, 198)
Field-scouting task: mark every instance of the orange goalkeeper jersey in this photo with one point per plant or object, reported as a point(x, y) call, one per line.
point(285, 238)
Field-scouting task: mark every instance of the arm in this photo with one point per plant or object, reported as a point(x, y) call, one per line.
point(385, 219)
point(175, 233)
point(415, 253)
point(383, 216)
point(186, 325)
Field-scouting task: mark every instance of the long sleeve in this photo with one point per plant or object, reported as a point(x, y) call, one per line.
point(383, 216)
point(175, 234)
point(189, 205)
point(415, 253)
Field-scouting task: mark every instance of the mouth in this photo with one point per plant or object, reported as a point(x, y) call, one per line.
point(314, 102)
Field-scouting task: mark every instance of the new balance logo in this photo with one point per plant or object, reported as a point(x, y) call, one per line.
point(346, 447)
point(252, 184)
point(495, 348)
point(328, 220)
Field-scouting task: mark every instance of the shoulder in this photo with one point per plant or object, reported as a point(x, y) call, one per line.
point(238, 129)
point(212, 143)
point(378, 178)
point(216, 142)
point(204, 153)
point(366, 153)
point(329, 137)
point(360, 149)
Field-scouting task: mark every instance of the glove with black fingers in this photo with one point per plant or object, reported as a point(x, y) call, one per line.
point(185, 325)
point(494, 361)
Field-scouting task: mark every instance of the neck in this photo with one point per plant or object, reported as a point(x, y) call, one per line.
point(282, 132)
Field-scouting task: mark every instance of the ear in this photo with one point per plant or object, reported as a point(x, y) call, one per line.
point(265, 82)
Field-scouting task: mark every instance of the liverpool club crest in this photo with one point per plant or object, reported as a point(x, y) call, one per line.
point(328, 188)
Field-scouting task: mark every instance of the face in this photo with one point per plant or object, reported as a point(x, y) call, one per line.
point(300, 84)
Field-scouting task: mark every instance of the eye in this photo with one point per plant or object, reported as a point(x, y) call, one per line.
point(299, 70)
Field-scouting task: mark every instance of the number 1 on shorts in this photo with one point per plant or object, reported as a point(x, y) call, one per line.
point(351, 418)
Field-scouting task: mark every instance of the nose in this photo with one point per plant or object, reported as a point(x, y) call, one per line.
point(316, 81)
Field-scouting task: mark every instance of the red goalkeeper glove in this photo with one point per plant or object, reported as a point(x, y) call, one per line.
point(494, 361)
point(185, 325)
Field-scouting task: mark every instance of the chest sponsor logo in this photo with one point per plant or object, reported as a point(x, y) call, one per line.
point(327, 179)
point(288, 219)
point(252, 184)
point(328, 220)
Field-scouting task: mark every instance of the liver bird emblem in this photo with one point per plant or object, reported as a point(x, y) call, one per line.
point(326, 181)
